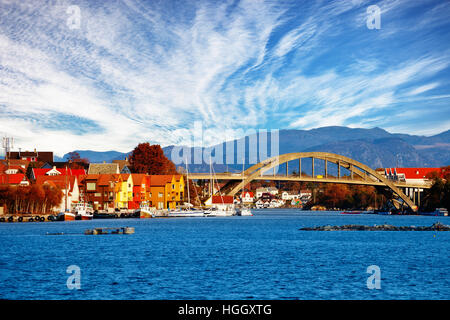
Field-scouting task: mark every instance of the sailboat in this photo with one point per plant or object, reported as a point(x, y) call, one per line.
point(220, 209)
point(187, 210)
point(243, 210)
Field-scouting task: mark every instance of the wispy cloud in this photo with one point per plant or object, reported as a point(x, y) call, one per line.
point(145, 71)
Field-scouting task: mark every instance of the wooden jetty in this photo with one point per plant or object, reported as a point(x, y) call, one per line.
point(122, 230)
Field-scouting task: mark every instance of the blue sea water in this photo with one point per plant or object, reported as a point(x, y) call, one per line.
point(259, 257)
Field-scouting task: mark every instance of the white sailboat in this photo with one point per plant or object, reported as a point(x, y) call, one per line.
point(243, 210)
point(187, 210)
point(220, 209)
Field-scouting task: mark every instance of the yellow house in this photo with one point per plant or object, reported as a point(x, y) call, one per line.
point(175, 191)
point(124, 191)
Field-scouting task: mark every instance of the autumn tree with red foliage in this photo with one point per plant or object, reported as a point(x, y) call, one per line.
point(36, 199)
point(150, 159)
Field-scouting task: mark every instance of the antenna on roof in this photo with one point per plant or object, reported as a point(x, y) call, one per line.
point(8, 144)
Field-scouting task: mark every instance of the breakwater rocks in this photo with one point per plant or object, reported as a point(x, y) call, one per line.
point(383, 227)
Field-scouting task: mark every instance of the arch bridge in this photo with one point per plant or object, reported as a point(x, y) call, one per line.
point(359, 174)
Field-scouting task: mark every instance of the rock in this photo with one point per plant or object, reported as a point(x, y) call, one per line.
point(386, 227)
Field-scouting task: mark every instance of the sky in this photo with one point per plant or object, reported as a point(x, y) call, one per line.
point(107, 75)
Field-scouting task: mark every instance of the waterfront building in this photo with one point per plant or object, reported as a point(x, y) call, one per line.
point(140, 193)
point(410, 175)
point(125, 191)
point(69, 188)
point(166, 191)
point(220, 202)
point(272, 190)
point(290, 195)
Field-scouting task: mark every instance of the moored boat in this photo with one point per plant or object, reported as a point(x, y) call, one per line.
point(244, 211)
point(144, 212)
point(67, 216)
point(351, 212)
point(82, 211)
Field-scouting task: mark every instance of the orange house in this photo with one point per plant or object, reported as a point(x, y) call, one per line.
point(166, 191)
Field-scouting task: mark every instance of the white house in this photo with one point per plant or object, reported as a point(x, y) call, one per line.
point(247, 197)
point(259, 192)
point(286, 195)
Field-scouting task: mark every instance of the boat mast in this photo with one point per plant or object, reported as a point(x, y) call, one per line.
point(187, 181)
point(66, 189)
point(242, 191)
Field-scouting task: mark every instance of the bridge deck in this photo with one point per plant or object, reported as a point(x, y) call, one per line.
point(303, 178)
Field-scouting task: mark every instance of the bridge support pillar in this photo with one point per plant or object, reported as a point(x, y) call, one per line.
point(300, 167)
point(339, 169)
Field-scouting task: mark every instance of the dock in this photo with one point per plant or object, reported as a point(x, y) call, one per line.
point(122, 230)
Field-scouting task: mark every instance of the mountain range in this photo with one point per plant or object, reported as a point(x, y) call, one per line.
point(375, 147)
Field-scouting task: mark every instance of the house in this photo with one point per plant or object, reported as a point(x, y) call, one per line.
point(101, 191)
point(166, 191)
point(289, 195)
point(12, 169)
point(220, 202)
point(32, 156)
point(124, 193)
point(69, 187)
point(272, 190)
point(140, 194)
point(124, 165)
point(103, 168)
point(305, 195)
point(14, 163)
point(16, 179)
point(410, 175)
point(158, 191)
point(247, 197)
point(36, 172)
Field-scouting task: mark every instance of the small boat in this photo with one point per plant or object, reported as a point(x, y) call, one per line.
point(351, 212)
point(244, 211)
point(68, 216)
point(144, 212)
point(442, 212)
point(220, 212)
point(186, 213)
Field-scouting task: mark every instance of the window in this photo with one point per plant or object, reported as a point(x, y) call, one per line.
point(98, 194)
point(173, 186)
point(90, 186)
point(160, 194)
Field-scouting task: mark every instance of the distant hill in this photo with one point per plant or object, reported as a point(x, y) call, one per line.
point(374, 147)
point(98, 156)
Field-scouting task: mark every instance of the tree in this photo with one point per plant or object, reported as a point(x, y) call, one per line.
point(75, 161)
point(150, 159)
